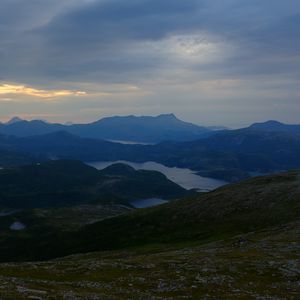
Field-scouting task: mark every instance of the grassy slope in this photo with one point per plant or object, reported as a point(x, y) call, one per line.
point(244, 207)
point(252, 205)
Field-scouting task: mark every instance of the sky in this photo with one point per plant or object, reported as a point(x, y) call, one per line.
point(211, 62)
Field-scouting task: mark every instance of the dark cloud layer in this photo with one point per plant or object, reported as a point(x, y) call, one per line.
point(108, 33)
point(158, 46)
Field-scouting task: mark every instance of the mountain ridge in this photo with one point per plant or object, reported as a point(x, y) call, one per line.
point(144, 129)
point(273, 125)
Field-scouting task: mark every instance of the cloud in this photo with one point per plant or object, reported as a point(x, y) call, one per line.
point(120, 41)
point(22, 90)
point(157, 46)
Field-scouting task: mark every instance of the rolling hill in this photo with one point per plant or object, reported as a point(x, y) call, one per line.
point(250, 206)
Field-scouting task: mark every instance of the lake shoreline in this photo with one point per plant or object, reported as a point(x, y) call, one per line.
point(186, 178)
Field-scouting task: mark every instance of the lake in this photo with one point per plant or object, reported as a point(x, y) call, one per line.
point(184, 177)
point(143, 203)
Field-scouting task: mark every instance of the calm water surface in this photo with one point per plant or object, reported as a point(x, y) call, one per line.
point(184, 177)
point(143, 203)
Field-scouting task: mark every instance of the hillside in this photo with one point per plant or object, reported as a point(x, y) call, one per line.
point(60, 183)
point(253, 205)
point(14, 157)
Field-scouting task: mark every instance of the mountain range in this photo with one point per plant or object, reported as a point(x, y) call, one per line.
point(230, 155)
point(143, 129)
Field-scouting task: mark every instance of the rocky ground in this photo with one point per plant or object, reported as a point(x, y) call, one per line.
point(262, 265)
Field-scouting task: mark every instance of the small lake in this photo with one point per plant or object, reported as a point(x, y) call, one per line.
point(184, 177)
point(144, 203)
point(17, 226)
point(128, 142)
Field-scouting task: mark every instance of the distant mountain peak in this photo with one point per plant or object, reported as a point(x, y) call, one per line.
point(267, 123)
point(273, 122)
point(167, 116)
point(14, 120)
point(273, 125)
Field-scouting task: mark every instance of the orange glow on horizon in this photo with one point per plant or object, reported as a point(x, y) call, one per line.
point(16, 89)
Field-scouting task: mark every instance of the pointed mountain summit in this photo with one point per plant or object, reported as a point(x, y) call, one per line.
point(14, 120)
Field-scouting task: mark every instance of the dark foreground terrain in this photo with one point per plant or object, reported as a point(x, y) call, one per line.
point(241, 241)
point(259, 265)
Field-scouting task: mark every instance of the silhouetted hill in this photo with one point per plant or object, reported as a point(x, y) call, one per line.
point(14, 120)
point(59, 183)
point(234, 151)
point(275, 126)
point(25, 128)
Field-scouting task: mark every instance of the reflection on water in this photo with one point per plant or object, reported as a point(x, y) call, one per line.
point(184, 177)
point(129, 142)
point(143, 203)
